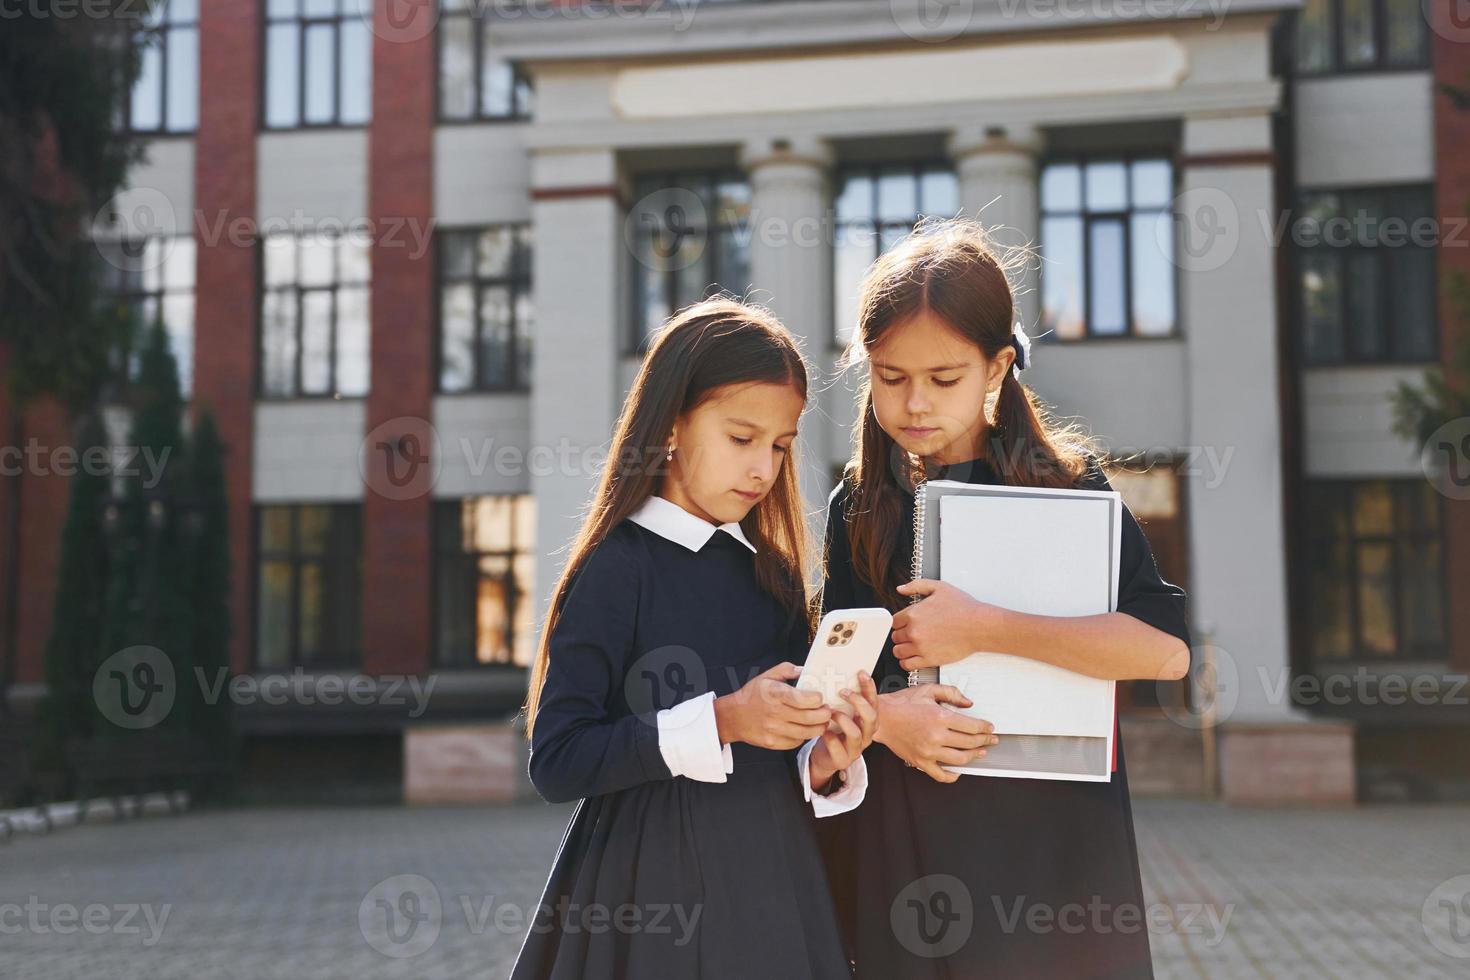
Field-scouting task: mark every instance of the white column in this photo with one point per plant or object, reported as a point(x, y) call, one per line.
point(577, 222)
point(791, 272)
point(996, 167)
point(1234, 471)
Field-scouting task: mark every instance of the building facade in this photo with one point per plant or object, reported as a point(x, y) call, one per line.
point(410, 264)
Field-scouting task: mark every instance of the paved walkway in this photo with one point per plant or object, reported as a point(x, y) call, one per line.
point(299, 894)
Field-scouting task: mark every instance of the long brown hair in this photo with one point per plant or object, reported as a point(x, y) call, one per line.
point(952, 270)
point(703, 347)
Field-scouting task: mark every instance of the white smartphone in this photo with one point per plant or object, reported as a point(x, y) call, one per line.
point(847, 641)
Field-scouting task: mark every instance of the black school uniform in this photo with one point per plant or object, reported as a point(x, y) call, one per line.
point(1032, 878)
point(712, 879)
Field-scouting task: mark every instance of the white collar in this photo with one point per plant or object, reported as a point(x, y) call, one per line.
point(667, 519)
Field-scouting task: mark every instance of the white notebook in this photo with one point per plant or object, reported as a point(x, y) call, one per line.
point(1035, 550)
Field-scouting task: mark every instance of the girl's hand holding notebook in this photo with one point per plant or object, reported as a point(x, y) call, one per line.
point(944, 628)
point(920, 728)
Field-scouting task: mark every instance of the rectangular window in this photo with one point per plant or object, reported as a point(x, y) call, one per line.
point(154, 277)
point(874, 208)
point(165, 94)
point(314, 316)
point(1375, 570)
point(1366, 260)
point(1341, 36)
point(318, 63)
point(308, 585)
point(483, 579)
point(474, 82)
point(486, 320)
point(1108, 241)
point(690, 242)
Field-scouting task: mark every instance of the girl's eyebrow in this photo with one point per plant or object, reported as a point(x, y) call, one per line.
point(929, 370)
point(752, 425)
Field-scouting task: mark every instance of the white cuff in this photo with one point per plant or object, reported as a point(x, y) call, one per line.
point(690, 743)
point(846, 798)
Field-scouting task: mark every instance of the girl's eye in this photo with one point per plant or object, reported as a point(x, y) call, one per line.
point(783, 450)
point(740, 440)
point(892, 381)
point(947, 384)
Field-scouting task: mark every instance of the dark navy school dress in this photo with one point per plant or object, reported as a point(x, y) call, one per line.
point(712, 881)
point(991, 876)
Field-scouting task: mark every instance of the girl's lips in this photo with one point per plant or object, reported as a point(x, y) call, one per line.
point(752, 497)
point(919, 432)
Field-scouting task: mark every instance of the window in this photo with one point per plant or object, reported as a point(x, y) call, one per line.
point(1375, 572)
point(875, 207)
point(318, 63)
point(1368, 281)
point(485, 312)
point(1338, 36)
point(690, 242)
point(314, 316)
point(484, 564)
point(473, 82)
point(308, 585)
point(154, 276)
point(165, 95)
point(1107, 243)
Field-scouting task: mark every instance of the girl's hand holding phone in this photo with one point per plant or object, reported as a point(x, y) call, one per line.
point(852, 732)
point(946, 626)
point(920, 728)
point(768, 712)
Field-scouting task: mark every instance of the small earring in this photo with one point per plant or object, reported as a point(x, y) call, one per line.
point(668, 456)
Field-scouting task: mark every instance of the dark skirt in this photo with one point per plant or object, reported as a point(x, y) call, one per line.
point(988, 877)
point(684, 880)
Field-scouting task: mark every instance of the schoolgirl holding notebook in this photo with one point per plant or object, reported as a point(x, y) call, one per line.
point(661, 697)
point(941, 875)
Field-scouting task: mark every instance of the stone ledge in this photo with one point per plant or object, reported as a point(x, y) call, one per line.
point(1309, 763)
point(465, 764)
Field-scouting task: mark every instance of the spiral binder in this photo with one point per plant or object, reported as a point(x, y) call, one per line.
point(924, 675)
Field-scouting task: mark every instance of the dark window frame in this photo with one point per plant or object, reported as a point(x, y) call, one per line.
point(113, 288)
point(876, 227)
point(259, 555)
point(304, 21)
point(521, 107)
point(639, 334)
point(299, 291)
point(445, 512)
point(519, 281)
point(1123, 217)
point(1337, 63)
point(1388, 337)
point(1339, 494)
point(161, 29)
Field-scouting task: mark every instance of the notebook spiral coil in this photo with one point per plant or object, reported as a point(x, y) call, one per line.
point(928, 675)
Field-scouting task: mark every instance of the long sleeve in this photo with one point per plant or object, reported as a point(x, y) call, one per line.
point(846, 798)
point(580, 747)
point(838, 591)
